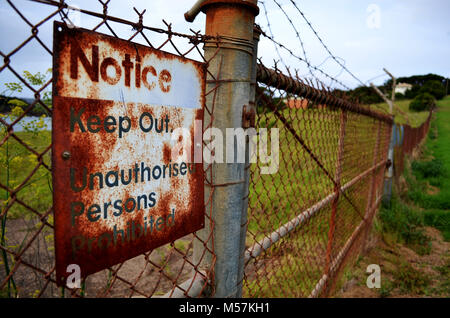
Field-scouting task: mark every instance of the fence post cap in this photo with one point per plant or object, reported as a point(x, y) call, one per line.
point(202, 4)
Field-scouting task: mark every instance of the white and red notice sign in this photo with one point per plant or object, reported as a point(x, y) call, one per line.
point(121, 185)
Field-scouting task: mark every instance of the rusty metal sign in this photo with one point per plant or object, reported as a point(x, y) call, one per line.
point(119, 186)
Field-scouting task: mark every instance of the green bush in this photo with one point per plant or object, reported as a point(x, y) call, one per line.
point(427, 201)
point(413, 92)
point(427, 169)
point(434, 88)
point(365, 95)
point(406, 223)
point(423, 101)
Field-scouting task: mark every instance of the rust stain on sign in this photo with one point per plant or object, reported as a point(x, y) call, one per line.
point(119, 189)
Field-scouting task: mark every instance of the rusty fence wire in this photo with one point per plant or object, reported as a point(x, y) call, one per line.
point(406, 139)
point(27, 261)
point(312, 216)
point(307, 219)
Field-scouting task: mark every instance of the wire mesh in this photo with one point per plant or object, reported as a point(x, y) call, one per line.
point(407, 138)
point(27, 267)
point(305, 222)
point(305, 219)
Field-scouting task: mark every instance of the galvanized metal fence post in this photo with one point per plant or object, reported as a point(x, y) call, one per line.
point(389, 174)
point(251, 113)
point(230, 62)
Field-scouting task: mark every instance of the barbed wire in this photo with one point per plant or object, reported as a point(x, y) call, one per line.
point(311, 68)
point(323, 44)
point(333, 79)
point(300, 59)
point(298, 37)
point(278, 44)
point(271, 33)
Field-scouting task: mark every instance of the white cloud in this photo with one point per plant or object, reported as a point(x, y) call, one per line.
point(413, 37)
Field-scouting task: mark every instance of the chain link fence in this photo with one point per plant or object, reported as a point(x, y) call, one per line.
point(307, 219)
point(406, 139)
point(27, 264)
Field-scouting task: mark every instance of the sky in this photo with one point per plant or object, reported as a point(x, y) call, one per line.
point(407, 37)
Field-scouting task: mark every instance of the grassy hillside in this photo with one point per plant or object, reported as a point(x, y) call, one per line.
point(430, 180)
point(415, 118)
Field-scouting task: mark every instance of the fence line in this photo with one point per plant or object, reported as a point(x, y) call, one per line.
point(325, 144)
point(405, 140)
point(289, 233)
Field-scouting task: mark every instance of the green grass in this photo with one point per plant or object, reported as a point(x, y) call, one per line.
point(409, 280)
point(440, 147)
point(415, 118)
point(433, 169)
point(16, 164)
point(31, 183)
point(444, 271)
point(405, 223)
point(439, 219)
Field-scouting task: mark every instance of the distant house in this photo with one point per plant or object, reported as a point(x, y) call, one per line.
point(402, 88)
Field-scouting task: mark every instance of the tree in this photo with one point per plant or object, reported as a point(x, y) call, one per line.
point(434, 88)
point(419, 80)
point(413, 92)
point(365, 95)
point(423, 101)
point(37, 80)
